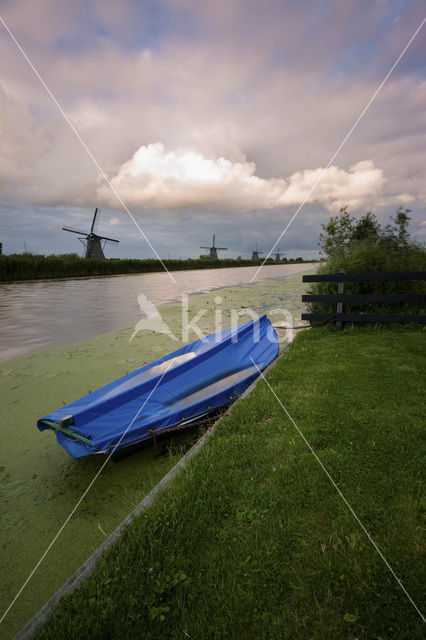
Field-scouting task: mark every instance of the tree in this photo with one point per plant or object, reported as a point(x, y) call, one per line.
point(367, 228)
point(343, 232)
point(337, 232)
point(402, 220)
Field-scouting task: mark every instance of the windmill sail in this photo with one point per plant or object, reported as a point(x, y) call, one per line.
point(93, 240)
point(213, 249)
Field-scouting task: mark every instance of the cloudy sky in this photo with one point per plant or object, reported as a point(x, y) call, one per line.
point(207, 117)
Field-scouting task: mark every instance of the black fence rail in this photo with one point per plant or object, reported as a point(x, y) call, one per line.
point(364, 298)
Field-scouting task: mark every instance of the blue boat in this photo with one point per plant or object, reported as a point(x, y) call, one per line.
point(180, 388)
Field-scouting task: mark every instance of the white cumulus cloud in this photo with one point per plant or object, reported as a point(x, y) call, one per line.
point(157, 178)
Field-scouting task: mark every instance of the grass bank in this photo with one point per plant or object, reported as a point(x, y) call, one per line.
point(253, 541)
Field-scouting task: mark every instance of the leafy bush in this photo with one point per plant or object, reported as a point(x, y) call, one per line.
point(363, 245)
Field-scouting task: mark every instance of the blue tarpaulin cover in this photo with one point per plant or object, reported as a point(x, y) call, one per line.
point(191, 382)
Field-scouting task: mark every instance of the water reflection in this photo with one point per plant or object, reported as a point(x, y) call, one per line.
point(36, 315)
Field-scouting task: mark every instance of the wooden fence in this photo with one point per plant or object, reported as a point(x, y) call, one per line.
point(340, 298)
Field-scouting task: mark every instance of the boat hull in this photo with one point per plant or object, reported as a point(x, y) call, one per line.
point(193, 381)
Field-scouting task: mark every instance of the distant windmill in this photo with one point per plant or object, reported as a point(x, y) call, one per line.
point(213, 249)
point(278, 255)
point(94, 247)
point(256, 253)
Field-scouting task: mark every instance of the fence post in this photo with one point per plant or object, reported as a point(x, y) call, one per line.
point(339, 307)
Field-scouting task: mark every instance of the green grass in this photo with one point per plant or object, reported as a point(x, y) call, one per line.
point(252, 540)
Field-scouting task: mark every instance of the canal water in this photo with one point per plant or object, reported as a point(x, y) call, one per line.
point(37, 315)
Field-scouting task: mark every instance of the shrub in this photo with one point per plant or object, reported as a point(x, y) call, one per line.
point(364, 245)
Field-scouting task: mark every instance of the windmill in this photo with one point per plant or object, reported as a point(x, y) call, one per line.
point(256, 253)
point(92, 241)
point(278, 256)
point(213, 249)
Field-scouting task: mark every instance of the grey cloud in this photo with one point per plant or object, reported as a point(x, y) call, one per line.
point(277, 88)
